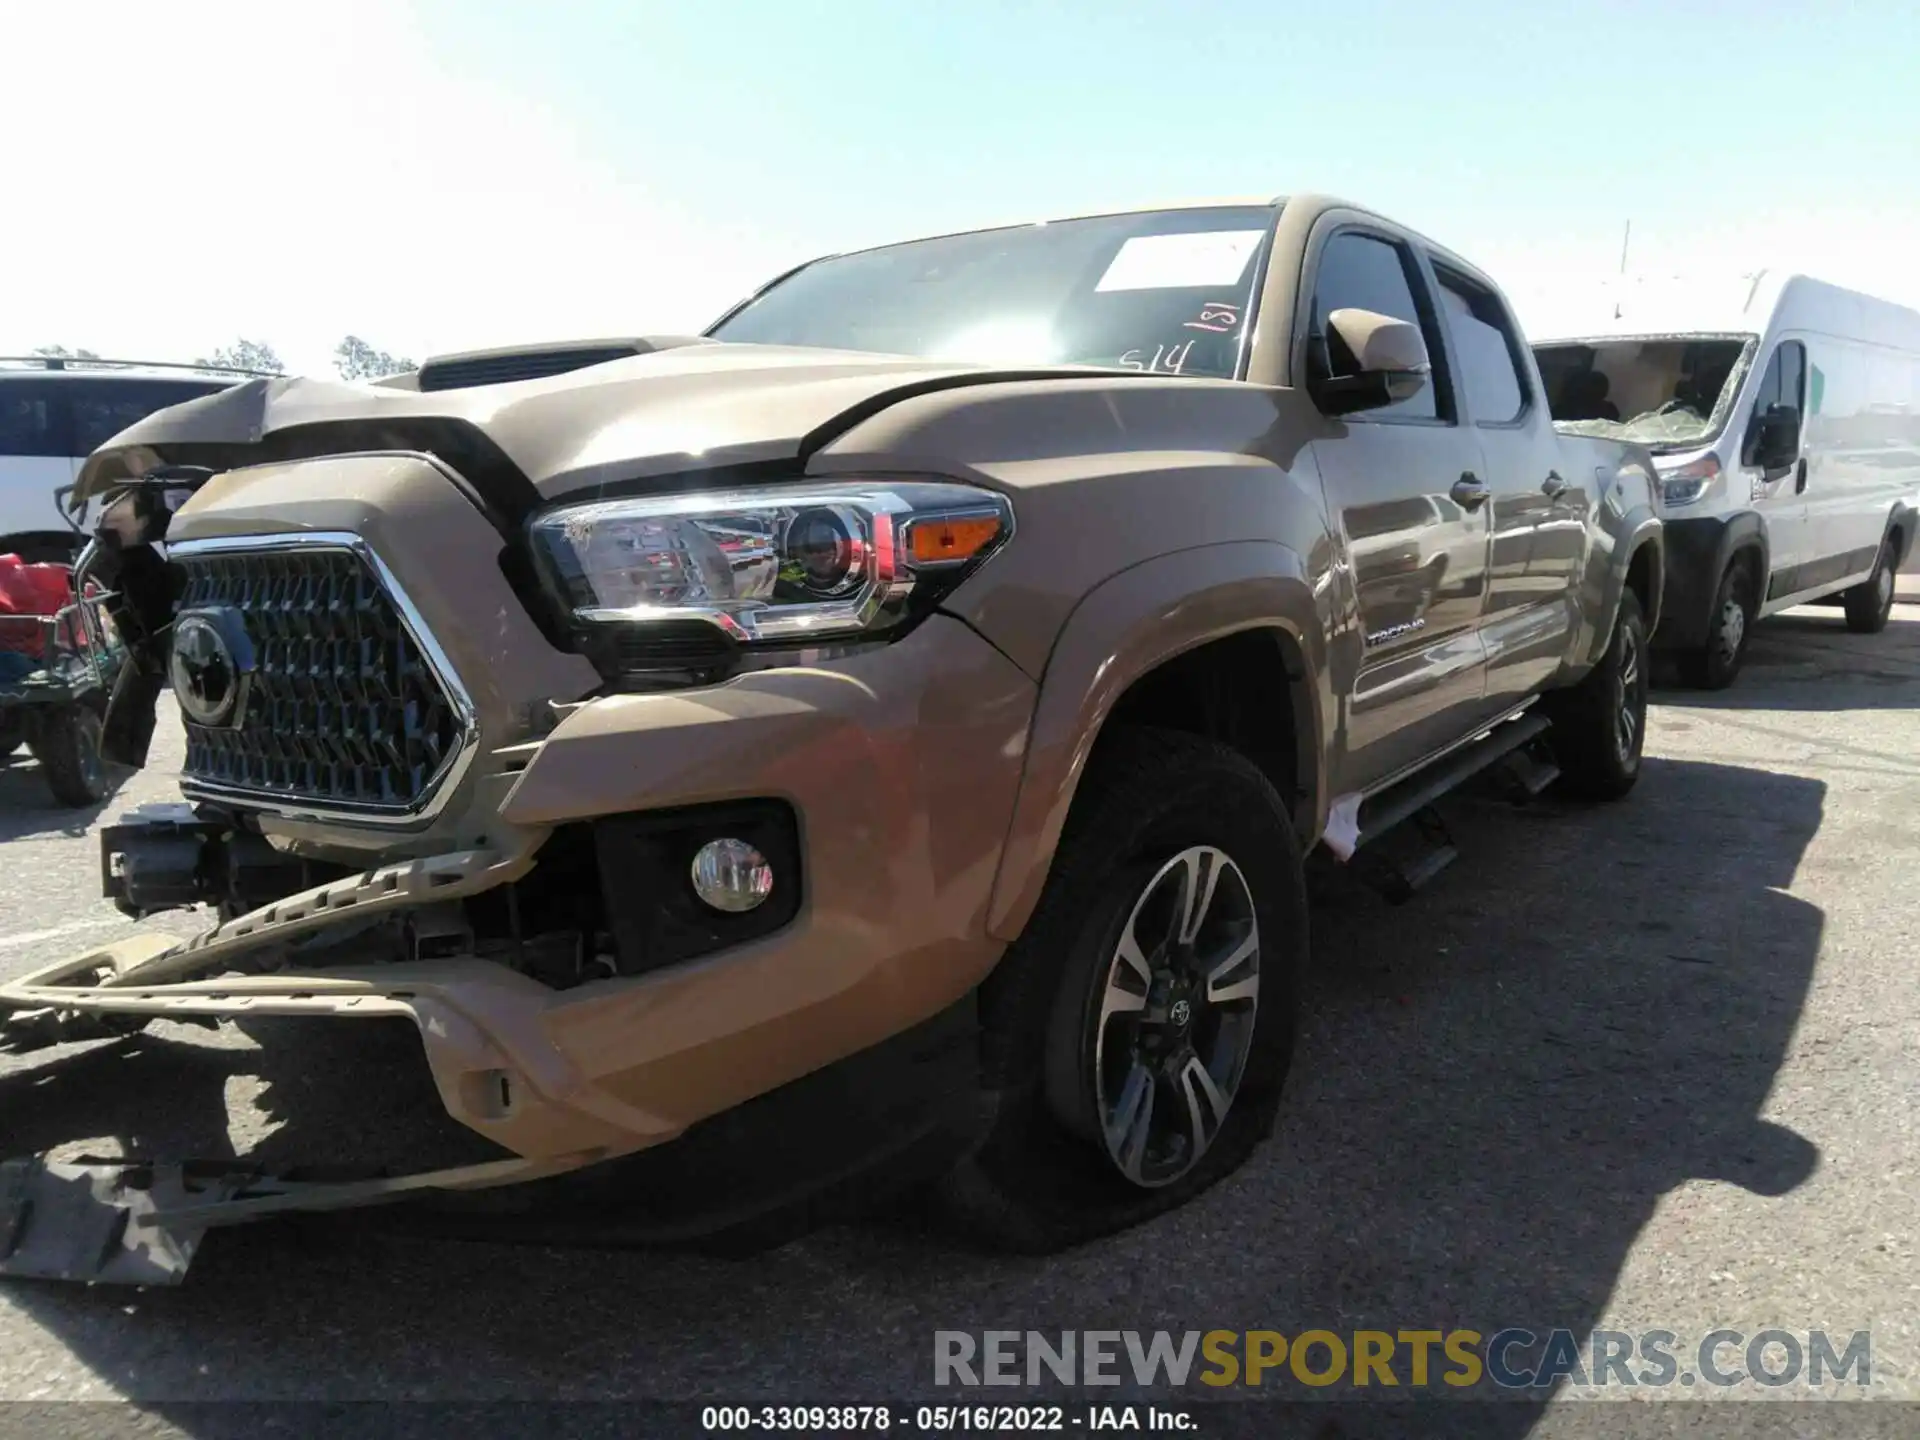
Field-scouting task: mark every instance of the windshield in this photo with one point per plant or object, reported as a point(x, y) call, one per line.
point(1667, 392)
point(1169, 291)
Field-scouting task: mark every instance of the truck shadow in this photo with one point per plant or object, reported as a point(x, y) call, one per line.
point(1496, 1086)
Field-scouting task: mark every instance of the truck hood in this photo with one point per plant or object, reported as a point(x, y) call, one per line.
point(694, 406)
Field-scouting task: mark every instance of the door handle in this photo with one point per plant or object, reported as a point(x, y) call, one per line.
point(1800, 477)
point(1469, 491)
point(1553, 486)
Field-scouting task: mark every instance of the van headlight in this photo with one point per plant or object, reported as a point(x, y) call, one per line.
point(782, 565)
point(1690, 483)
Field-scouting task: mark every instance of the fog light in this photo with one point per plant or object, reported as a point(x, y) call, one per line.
point(731, 876)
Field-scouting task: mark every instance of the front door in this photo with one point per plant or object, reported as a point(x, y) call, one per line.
point(1780, 496)
point(1404, 485)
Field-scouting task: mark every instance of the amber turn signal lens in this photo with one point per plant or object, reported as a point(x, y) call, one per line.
point(934, 540)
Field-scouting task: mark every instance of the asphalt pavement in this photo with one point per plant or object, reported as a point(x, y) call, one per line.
point(1649, 1065)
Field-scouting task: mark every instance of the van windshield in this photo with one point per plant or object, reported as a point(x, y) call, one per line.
point(1169, 291)
point(1667, 392)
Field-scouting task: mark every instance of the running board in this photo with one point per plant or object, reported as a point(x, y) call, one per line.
point(1381, 813)
point(1403, 841)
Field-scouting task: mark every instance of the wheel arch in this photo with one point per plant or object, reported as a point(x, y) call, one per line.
point(1902, 524)
point(1202, 640)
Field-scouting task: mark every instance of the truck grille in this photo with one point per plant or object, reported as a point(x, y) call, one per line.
point(343, 708)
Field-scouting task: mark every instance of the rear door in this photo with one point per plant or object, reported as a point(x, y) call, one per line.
point(1403, 483)
point(1540, 508)
point(36, 453)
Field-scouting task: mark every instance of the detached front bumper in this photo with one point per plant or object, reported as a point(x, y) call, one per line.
point(900, 765)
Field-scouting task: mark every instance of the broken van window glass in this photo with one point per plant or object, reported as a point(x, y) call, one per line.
point(1667, 392)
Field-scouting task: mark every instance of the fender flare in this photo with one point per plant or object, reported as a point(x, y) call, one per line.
point(1637, 529)
point(1124, 628)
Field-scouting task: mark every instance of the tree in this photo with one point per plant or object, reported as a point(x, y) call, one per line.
point(245, 355)
point(355, 359)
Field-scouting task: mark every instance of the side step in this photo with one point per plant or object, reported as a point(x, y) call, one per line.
point(1424, 849)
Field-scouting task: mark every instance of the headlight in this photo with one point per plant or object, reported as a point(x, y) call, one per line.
point(1688, 484)
point(780, 565)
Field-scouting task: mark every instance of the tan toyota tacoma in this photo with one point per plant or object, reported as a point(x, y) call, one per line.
point(871, 744)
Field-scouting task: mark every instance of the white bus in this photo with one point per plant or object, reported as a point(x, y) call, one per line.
point(1784, 417)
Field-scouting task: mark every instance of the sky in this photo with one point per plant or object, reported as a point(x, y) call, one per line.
point(446, 174)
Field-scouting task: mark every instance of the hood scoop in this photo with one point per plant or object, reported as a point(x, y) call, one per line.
point(471, 368)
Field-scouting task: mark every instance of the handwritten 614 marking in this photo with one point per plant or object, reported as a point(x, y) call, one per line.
point(1167, 359)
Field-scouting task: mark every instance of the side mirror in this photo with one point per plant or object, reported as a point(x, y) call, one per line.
point(1385, 361)
point(1774, 441)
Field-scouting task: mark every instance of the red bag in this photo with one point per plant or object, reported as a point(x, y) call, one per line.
point(37, 591)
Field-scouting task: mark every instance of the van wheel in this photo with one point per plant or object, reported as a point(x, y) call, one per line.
point(1870, 603)
point(1714, 665)
point(1136, 1036)
point(1600, 725)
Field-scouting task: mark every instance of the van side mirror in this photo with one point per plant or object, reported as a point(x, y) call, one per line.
point(1773, 442)
point(1385, 361)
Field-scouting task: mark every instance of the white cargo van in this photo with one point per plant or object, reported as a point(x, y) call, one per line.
point(1784, 416)
point(55, 412)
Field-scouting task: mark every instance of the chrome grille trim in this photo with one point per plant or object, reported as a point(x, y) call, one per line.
point(440, 787)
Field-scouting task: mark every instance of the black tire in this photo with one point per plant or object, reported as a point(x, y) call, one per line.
point(1045, 1178)
point(1600, 725)
point(1870, 603)
point(68, 749)
point(12, 734)
point(1715, 665)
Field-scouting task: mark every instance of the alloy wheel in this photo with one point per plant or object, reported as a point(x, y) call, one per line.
point(1630, 709)
point(1176, 1018)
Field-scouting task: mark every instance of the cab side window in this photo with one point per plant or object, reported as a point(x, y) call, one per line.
point(1486, 350)
point(1783, 389)
point(1364, 272)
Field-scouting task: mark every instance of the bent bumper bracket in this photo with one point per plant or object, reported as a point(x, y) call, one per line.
point(117, 1222)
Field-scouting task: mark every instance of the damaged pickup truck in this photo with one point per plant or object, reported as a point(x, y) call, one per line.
point(871, 744)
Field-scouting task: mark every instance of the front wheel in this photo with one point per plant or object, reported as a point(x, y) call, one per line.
point(1714, 665)
point(1137, 1034)
point(1600, 725)
point(1870, 603)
